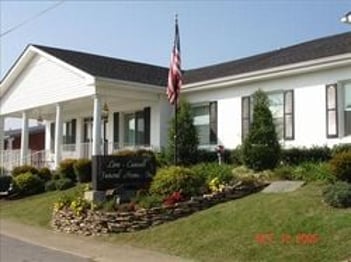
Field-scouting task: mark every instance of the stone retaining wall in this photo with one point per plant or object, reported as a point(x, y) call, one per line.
point(97, 222)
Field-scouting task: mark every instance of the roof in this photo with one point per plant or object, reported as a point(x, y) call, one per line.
point(31, 130)
point(102, 66)
point(108, 67)
point(319, 48)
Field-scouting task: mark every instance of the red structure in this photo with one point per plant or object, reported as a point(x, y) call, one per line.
point(36, 138)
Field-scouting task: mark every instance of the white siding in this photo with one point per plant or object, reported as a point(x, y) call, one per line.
point(309, 98)
point(43, 82)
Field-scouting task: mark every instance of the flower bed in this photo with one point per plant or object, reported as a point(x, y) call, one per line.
point(97, 222)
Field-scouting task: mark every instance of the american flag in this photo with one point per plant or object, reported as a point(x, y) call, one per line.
point(175, 73)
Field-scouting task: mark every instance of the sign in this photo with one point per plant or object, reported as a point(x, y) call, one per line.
point(127, 171)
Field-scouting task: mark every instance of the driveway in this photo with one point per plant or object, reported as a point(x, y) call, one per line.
point(76, 246)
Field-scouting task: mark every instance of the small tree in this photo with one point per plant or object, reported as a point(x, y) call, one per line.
point(261, 149)
point(187, 138)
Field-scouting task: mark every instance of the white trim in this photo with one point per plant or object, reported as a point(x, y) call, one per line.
point(25, 58)
point(135, 86)
point(280, 71)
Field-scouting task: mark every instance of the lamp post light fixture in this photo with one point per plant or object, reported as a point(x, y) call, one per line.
point(346, 18)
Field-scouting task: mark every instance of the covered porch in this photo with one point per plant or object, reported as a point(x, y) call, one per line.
point(83, 114)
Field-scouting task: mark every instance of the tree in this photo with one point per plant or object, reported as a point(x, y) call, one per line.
point(261, 148)
point(187, 137)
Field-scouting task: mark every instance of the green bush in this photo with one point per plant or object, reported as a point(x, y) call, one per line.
point(338, 194)
point(45, 174)
point(313, 172)
point(64, 183)
point(149, 201)
point(5, 182)
point(284, 172)
point(66, 169)
point(261, 149)
point(82, 169)
point(24, 169)
point(28, 184)
point(50, 185)
point(174, 178)
point(340, 148)
point(296, 156)
point(187, 137)
point(209, 171)
point(341, 165)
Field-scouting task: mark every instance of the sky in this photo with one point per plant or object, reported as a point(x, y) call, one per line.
point(211, 32)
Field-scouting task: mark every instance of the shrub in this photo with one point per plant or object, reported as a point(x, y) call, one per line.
point(5, 182)
point(284, 172)
point(340, 148)
point(187, 137)
point(50, 185)
point(261, 149)
point(161, 159)
point(174, 198)
point(341, 166)
point(125, 152)
point(82, 169)
point(24, 169)
point(209, 171)
point(312, 172)
point(338, 194)
point(296, 156)
point(64, 183)
point(149, 201)
point(45, 174)
point(174, 178)
point(28, 184)
point(66, 169)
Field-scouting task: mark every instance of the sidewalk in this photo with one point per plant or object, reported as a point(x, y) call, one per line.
point(98, 251)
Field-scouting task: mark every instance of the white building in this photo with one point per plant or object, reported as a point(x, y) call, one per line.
point(309, 86)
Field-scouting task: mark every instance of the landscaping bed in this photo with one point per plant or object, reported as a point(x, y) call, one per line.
point(93, 222)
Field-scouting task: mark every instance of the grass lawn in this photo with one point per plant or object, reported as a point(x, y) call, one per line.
point(34, 210)
point(227, 232)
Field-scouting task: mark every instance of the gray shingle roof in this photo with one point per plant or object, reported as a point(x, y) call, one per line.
point(319, 48)
point(110, 67)
point(149, 74)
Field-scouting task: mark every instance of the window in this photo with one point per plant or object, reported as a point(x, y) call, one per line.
point(205, 121)
point(137, 128)
point(281, 104)
point(347, 108)
point(69, 132)
point(332, 112)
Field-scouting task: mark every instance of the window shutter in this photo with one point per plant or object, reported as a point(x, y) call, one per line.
point(52, 137)
point(116, 129)
point(245, 116)
point(332, 111)
point(147, 117)
point(289, 115)
point(213, 123)
point(74, 128)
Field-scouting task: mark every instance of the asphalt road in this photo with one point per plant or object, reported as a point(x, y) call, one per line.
point(14, 250)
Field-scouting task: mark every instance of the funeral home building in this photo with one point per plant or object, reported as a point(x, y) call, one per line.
point(92, 104)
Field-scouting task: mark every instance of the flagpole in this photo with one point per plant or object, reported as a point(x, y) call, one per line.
point(176, 133)
point(175, 117)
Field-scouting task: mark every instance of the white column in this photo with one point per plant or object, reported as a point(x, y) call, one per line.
point(58, 136)
point(97, 126)
point(79, 137)
point(24, 139)
point(2, 136)
point(121, 131)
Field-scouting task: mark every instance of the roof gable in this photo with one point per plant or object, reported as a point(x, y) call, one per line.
point(102, 66)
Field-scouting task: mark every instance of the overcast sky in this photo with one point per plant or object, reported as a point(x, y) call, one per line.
point(211, 31)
